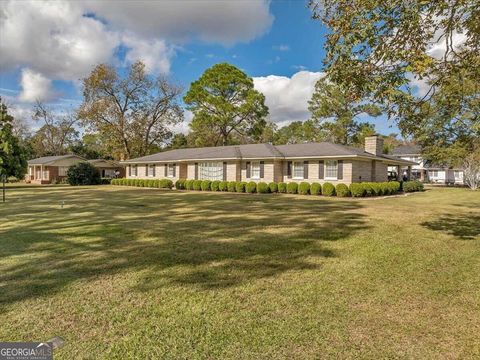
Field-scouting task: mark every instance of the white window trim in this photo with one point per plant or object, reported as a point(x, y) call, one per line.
point(170, 166)
point(256, 163)
point(148, 170)
point(210, 170)
point(325, 170)
point(131, 170)
point(293, 170)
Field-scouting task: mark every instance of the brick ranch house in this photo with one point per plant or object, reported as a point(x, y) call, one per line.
point(310, 162)
point(49, 169)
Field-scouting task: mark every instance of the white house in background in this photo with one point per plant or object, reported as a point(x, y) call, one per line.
point(425, 170)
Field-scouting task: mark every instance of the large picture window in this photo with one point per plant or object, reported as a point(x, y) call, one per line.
point(212, 170)
point(255, 170)
point(331, 169)
point(298, 170)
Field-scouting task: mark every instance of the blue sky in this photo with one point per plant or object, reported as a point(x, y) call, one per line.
point(275, 42)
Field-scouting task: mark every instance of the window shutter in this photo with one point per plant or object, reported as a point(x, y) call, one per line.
point(146, 169)
point(262, 166)
point(321, 169)
point(224, 171)
point(305, 169)
point(289, 169)
point(196, 171)
point(129, 170)
point(165, 168)
point(174, 170)
point(248, 169)
point(340, 170)
point(154, 170)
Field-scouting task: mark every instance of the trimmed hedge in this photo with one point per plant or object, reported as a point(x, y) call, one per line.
point(180, 184)
point(223, 186)
point(232, 186)
point(240, 186)
point(328, 189)
point(304, 188)
point(251, 187)
point(205, 185)
point(342, 190)
point(315, 189)
point(357, 190)
point(189, 185)
point(273, 186)
point(197, 185)
point(292, 188)
point(214, 186)
point(263, 188)
point(412, 186)
point(282, 187)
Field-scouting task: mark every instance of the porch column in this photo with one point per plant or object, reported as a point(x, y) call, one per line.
point(41, 172)
point(409, 173)
point(422, 175)
point(399, 173)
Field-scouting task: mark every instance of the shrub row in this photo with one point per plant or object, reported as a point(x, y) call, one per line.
point(150, 183)
point(303, 188)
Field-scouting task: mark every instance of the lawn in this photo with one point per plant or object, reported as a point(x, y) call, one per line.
point(143, 273)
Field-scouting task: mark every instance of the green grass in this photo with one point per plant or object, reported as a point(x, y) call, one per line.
point(141, 273)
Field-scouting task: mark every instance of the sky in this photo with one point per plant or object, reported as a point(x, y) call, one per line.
point(48, 47)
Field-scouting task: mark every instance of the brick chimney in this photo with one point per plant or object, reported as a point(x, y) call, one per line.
point(374, 145)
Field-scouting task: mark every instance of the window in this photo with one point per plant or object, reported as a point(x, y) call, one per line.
point(212, 170)
point(331, 169)
point(134, 170)
point(62, 170)
point(458, 174)
point(255, 170)
point(298, 169)
point(171, 170)
point(434, 173)
point(151, 170)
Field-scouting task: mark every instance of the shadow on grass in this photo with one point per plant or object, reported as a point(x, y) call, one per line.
point(464, 226)
point(201, 240)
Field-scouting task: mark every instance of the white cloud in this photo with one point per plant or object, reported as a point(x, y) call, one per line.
point(35, 87)
point(287, 98)
point(281, 47)
point(224, 22)
point(156, 54)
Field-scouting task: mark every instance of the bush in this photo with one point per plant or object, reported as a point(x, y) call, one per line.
point(152, 183)
point(263, 188)
point(165, 184)
point(304, 188)
point(197, 185)
point(240, 186)
point(394, 187)
point(292, 188)
point(315, 189)
point(328, 189)
point(223, 186)
point(189, 184)
point(282, 187)
point(377, 189)
point(83, 174)
point(273, 187)
point(342, 190)
point(206, 185)
point(232, 186)
point(251, 187)
point(106, 181)
point(412, 186)
point(115, 182)
point(214, 186)
point(357, 189)
point(180, 184)
point(368, 189)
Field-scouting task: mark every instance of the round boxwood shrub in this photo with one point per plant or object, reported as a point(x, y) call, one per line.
point(206, 185)
point(197, 185)
point(357, 190)
point(223, 186)
point(240, 187)
point(263, 188)
point(180, 184)
point(83, 174)
point(328, 189)
point(342, 190)
point(282, 187)
point(394, 187)
point(304, 188)
point(377, 189)
point(189, 184)
point(315, 189)
point(232, 186)
point(165, 184)
point(151, 183)
point(292, 188)
point(412, 186)
point(251, 187)
point(368, 189)
point(273, 186)
point(214, 186)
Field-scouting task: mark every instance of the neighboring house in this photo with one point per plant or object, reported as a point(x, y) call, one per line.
point(311, 162)
point(51, 169)
point(425, 170)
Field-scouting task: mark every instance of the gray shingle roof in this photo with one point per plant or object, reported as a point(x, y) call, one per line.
point(407, 150)
point(49, 159)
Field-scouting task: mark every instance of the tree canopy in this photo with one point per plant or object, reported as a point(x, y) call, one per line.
point(225, 105)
